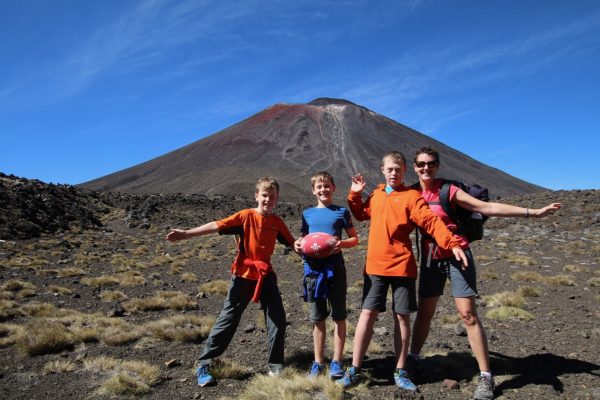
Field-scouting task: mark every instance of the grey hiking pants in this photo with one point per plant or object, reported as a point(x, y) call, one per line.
point(240, 293)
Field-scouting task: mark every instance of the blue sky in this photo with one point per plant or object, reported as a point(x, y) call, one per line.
point(88, 88)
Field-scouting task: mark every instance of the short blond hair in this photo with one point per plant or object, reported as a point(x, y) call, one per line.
point(321, 176)
point(395, 156)
point(266, 183)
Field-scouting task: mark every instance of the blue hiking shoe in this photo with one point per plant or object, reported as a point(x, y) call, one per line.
point(204, 377)
point(351, 377)
point(336, 370)
point(316, 369)
point(402, 380)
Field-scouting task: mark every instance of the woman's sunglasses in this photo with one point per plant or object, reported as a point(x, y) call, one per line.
point(430, 164)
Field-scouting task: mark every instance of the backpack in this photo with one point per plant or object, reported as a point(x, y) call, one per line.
point(468, 224)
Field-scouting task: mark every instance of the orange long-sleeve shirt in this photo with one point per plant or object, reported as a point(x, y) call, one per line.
point(258, 234)
point(393, 217)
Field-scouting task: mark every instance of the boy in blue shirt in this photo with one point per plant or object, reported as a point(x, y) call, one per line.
point(328, 218)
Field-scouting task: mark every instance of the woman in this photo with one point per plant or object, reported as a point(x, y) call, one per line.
point(437, 265)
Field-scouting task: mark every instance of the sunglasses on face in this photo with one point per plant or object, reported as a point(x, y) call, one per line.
point(430, 164)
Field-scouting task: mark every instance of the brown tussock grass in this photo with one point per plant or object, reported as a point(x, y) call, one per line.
point(519, 259)
point(127, 278)
point(175, 268)
point(223, 368)
point(220, 287)
point(70, 272)
point(60, 289)
point(58, 366)
point(292, 385)
point(10, 309)
point(560, 280)
point(110, 296)
point(162, 300)
point(528, 276)
point(489, 275)
point(44, 336)
point(575, 268)
point(595, 282)
point(127, 377)
point(529, 291)
point(189, 277)
point(16, 285)
point(161, 260)
point(505, 312)
point(9, 334)
point(509, 299)
point(140, 250)
point(120, 335)
point(181, 328)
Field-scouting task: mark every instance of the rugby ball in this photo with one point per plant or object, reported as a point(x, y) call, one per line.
point(318, 244)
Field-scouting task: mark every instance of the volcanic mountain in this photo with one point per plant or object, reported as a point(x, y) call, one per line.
point(291, 142)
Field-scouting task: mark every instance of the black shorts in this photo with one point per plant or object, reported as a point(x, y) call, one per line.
point(404, 297)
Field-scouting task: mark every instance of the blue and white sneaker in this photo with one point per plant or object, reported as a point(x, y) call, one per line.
point(316, 369)
point(351, 377)
point(336, 370)
point(204, 377)
point(403, 381)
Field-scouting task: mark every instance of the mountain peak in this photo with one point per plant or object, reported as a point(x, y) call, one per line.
point(326, 101)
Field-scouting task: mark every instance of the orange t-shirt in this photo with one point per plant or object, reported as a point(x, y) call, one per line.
point(258, 233)
point(393, 217)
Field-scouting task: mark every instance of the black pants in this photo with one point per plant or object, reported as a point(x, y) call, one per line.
point(240, 293)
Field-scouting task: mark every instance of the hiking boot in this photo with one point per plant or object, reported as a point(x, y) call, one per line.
point(336, 370)
point(403, 381)
point(275, 369)
point(316, 369)
point(350, 378)
point(485, 388)
point(204, 377)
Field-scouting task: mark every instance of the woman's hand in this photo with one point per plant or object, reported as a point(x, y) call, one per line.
point(542, 212)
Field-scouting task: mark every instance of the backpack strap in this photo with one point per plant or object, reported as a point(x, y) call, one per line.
point(446, 203)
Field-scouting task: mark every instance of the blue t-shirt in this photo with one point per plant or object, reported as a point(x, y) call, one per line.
point(331, 220)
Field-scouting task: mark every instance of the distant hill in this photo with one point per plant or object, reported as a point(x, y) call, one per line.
point(290, 142)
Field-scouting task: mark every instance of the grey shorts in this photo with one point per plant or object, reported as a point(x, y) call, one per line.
point(404, 298)
point(335, 301)
point(433, 278)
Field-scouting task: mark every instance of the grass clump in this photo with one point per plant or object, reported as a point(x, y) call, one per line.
point(126, 278)
point(110, 296)
point(560, 280)
point(292, 386)
point(218, 287)
point(528, 276)
point(44, 336)
point(190, 277)
point(489, 275)
point(575, 268)
point(228, 369)
point(510, 299)
point(519, 259)
point(529, 291)
point(58, 366)
point(506, 312)
point(9, 309)
point(127, 377)
point(70, 272)
point(161, 301)
point(181, 328)
point(60, 290)
point(593, 282)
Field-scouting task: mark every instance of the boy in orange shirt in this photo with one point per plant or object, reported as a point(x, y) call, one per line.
point(395, 211)
point(253, 277)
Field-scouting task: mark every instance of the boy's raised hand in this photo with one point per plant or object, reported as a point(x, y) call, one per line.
point(358, 183)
